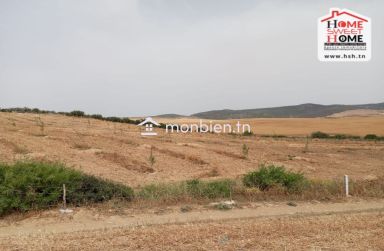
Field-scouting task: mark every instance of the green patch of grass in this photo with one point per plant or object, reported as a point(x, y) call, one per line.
point(191, 189)
point(27, 186)
point(209, 189)
point(165, 192)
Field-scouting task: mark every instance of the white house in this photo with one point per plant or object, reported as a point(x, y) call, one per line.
point(148, 123)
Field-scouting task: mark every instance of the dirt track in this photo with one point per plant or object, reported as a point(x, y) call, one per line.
point(359, 225)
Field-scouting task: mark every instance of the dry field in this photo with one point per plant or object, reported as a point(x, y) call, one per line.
point(355, 230)
point(358, 125)
point(118, 152)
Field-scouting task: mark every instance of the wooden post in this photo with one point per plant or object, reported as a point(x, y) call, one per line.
point(346, 182)
point(65, 210)
point(64, 197)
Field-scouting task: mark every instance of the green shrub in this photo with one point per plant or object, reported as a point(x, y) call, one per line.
point(113, 119)
point(76, 113)
point(34, 185)
point(96, 116)
point(275, 136)
point(353, 137)
point(247, 133)
point(373, 137)
point(345, 136)
point(340, 136)
point(320, 135)
point(269, 176)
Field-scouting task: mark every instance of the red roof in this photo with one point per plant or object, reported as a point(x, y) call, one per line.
point(336, 13)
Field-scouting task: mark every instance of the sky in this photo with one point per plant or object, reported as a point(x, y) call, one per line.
point(149, 57)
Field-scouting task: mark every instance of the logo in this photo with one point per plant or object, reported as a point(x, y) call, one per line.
point(344, 36)
point(201, 127)
point(149, 123)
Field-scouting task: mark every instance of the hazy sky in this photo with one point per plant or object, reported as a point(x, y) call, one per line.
point(146, 57)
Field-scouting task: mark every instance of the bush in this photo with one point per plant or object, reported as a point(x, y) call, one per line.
point(96, 116)
point(248, 133)
point(269, 176)
point(345, 136)
point(77, 113)
point(34, 185)
point(319, 135)
point(341, 136)
point(373, 137)
point(354, 137)
point(113, 119)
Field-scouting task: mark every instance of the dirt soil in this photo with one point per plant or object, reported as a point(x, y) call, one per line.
point(118, 151)
point(350, 225)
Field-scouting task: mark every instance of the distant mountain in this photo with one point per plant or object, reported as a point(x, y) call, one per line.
point(170, 115)
point(294, 111)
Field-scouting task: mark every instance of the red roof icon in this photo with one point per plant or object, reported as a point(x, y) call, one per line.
point(336, 13)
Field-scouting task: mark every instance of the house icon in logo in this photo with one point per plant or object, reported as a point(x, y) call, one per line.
point(337, 12)
point(148, 123)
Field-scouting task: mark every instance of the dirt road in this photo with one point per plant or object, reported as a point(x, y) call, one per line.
point(100, 231)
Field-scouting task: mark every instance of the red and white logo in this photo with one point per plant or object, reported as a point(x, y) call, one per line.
point(344, 36)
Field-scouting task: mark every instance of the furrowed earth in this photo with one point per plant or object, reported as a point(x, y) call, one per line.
point(118, 152)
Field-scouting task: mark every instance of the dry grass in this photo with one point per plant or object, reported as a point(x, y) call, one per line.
point(357, 231)
point(17, 149)
point(193, 159)
point(320, 190)
point(128, 163)
point(81, 146)
point(213, 172)
point(229, 154)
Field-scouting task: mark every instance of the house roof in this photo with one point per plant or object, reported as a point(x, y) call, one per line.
point(336, 13)
point(148, 120)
